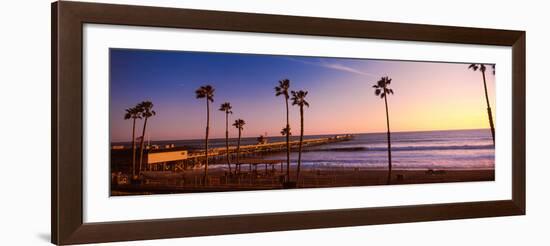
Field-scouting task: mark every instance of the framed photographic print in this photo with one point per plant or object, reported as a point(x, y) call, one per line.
point(173, 122)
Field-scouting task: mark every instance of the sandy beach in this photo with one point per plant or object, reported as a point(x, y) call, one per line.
point(219, 180)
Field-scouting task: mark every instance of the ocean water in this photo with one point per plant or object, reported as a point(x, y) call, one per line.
point(462, 149)
point(456, 149)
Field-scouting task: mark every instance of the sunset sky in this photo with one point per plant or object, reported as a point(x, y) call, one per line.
point(428, 96)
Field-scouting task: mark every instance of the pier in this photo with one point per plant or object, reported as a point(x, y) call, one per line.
point(179, 160)
point(269, 147)
point(173, 164)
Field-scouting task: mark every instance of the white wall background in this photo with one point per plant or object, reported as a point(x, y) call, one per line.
point(25, 121)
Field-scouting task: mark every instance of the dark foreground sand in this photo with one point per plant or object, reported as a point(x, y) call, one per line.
point(219, 180)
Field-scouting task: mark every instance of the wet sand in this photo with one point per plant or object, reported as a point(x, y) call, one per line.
point(191, 181)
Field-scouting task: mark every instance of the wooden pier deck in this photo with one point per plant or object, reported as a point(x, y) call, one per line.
point(270, 147)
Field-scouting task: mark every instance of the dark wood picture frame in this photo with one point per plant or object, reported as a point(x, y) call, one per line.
point(67, 123)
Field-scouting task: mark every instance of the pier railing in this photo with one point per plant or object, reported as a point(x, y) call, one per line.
point(270, 147)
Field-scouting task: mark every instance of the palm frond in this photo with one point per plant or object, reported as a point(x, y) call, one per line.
point(205, 91)
point(278, 91)
point(283, 87)
point(226, 107)
point(299, 98)
point(134, 112)
point(285, 131)
point(239, 124)
point(145, 109)
point(381, 87)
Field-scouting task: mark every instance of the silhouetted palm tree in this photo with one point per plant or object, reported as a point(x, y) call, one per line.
point(285, 131)
point(482, 68)
point(133, 113)
point(282, 89)
point(239, 124)
point(207, 92)
point(226, 107)
point(146, 109)
point(382, 90)
point(299, 98)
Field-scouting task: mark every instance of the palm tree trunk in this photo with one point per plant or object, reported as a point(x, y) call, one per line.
point(287, 143)
point(489, 112)
point(389, 139)
point(227, 139)
point(300, 145)
point(206, 141)
point(134, 148)
point(141, 145)
point(239, 149)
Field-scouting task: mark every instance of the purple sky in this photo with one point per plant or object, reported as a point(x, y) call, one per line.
point(428, 96)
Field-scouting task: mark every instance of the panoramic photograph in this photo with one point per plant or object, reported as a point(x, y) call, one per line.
point(187, 122)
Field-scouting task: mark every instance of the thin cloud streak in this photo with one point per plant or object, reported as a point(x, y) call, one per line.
point(332, 65)
point(341, 67)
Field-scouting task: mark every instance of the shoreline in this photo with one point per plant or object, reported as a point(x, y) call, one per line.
point(217, 166)
point(219, 181)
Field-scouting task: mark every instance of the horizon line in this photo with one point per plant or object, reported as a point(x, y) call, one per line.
point(405, 131)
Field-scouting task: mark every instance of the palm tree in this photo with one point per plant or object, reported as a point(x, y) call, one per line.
point(382, 90)
point(207, 92)
point(285, 131)
point(133, 113)
point(282, 89)
point(482, 68)
point(226, 107)
point(299, 98)
point(239, 124)
point(146, 109)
